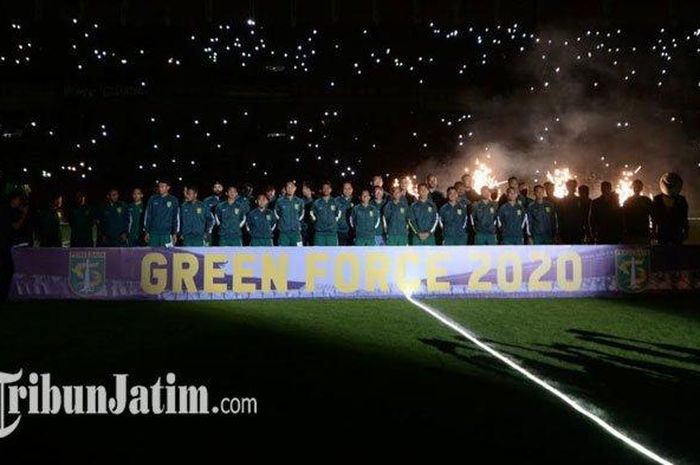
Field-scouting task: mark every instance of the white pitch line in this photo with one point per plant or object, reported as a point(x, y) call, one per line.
point(548, 387)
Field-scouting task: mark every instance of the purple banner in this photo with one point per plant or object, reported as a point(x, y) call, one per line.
point(221, 273)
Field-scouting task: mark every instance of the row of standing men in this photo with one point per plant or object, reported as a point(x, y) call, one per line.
point(458, 217)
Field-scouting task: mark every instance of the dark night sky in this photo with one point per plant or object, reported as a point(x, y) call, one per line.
point(119, 104)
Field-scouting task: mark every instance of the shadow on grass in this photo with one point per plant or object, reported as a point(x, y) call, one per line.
point(307, 392)
point(640, 385)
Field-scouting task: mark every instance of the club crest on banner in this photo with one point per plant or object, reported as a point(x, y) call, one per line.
point(87, 272)
point(632, 269)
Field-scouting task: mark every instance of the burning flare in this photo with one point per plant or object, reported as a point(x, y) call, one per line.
point(559, 178)
point(407, 182)
point(624, 185)
point(482, 176)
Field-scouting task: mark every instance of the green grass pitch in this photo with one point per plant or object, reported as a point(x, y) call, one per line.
point(360, 371)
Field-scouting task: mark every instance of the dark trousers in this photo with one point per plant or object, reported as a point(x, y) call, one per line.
point(344, 238)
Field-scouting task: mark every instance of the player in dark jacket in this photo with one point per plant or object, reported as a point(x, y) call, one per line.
point(114, 221)
point(196, 220)
point(483, 219)
point(542, 218)
point(454, 218)
point(307, 225)
point(396, 217)
point(365, 218)
point(326, 215)
point(345, 203)
point(424, 218)
point(512, 220)
point(162, 217)
point(261, 223)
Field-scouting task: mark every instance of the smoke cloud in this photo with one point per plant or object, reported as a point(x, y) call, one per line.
point(598, 115)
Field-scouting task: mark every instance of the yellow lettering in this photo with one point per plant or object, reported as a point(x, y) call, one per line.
point(406, 284)
point(313, 272)
point(517, 266)
point(535, 282)
point(475, 283)
point(573, 284)
point(274, 272)
point(434, 271)
point(377, 272)
point(352, 283)
point(212, 272)
point(185, 268)
point(149, 272)
point(240, 271)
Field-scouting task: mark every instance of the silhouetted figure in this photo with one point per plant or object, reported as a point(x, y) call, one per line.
point(14, 231)
point(584, 195)
point(572, 217)
point(50, 221)
point(606, 216)
point(636, 213)
point(82, 222)
point(670, 211)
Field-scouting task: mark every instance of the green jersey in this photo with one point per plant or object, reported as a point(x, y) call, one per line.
point(483, 217)
point(290, 214)
point(162, 215)
point(365, 220)
point(326, 215)
point(453, 219)
point(135, 227)
point(307, 225)
point(270, 203)
point(231, 217)
point(512, 219)
point(396, 217)
point(424, 216)
point(345, 205)
point(211, 202)
point(261, 223)
point(195, 219)
point(521, 200)
point(379, 205)
point(542, 219)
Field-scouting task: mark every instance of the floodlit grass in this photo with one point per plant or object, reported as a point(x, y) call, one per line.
point(362, 370)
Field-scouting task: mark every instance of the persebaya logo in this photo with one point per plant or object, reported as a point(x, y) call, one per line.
point(632, 269)
point(87, 272)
